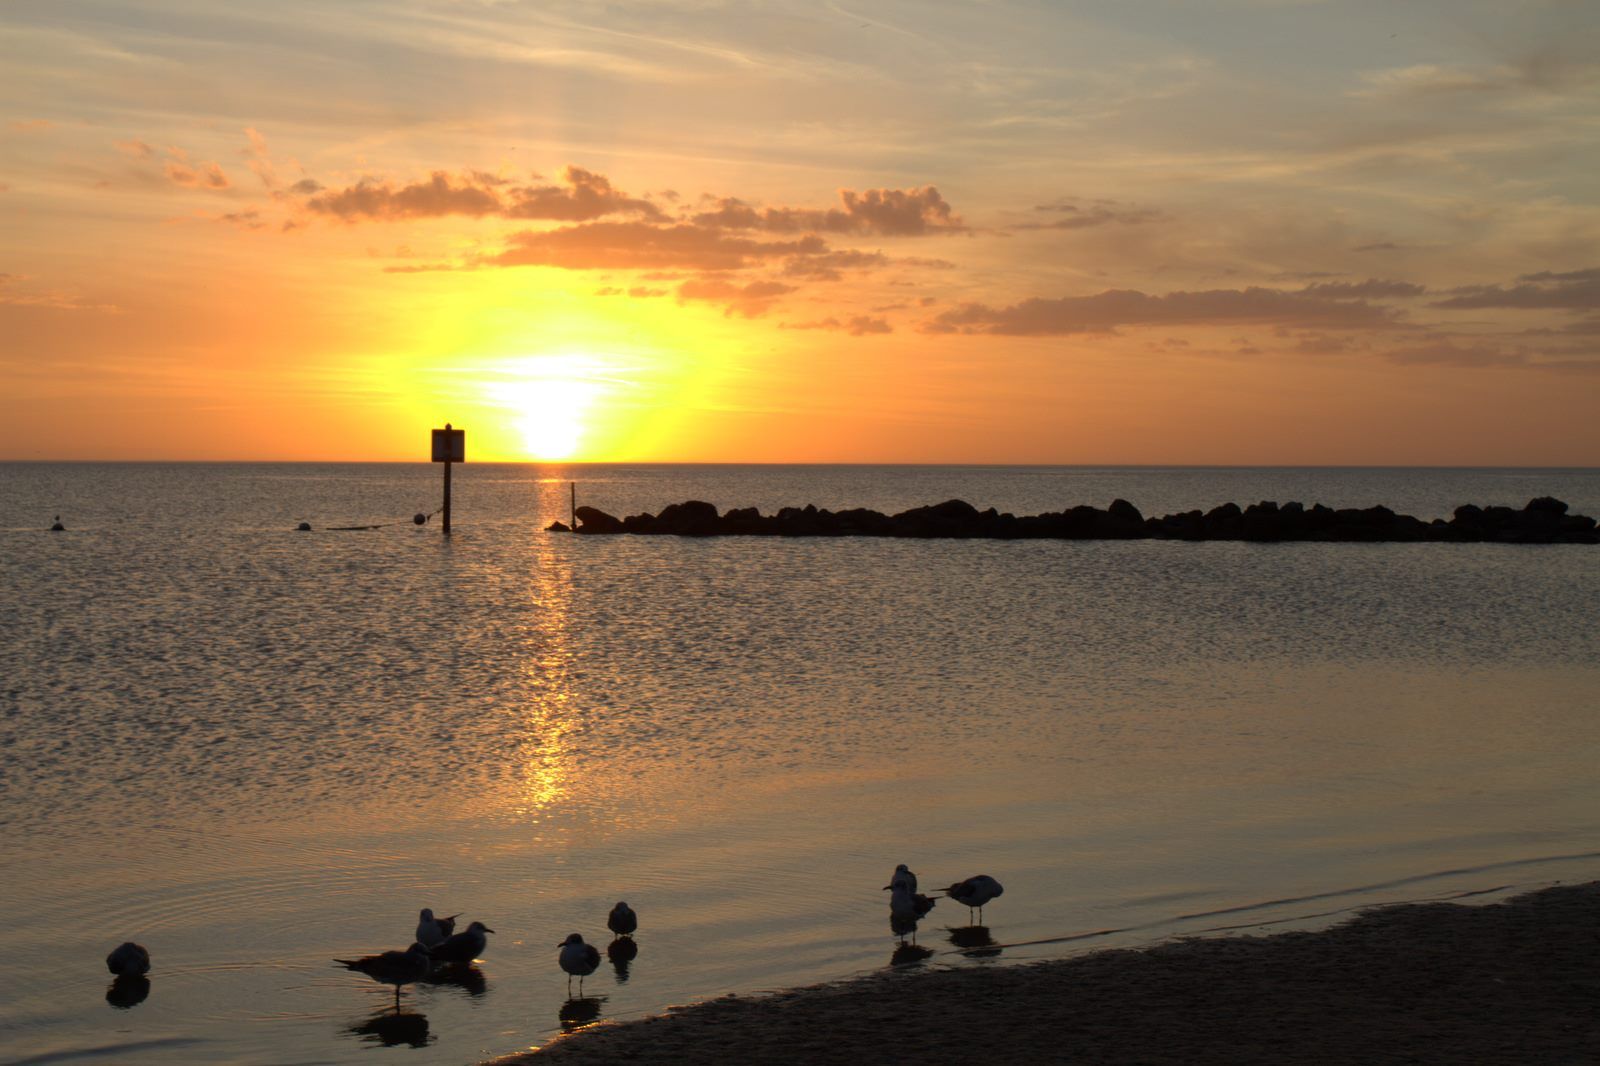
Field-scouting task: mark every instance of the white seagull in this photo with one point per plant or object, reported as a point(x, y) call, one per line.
point(906, 909)
point(128, 960)
point(622, 921)
point(975, 892)
point(578, 959)
point(463, 947)
point(396, 968)
point(431, 931)
point(902, 876)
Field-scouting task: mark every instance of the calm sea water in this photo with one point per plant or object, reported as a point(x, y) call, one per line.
point(253, 750)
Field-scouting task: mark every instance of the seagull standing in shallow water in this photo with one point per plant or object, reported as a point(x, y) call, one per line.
point(902, 876)
point(431, 931)
point(463, 947)
point(906, 909)
point(128, 960)
point(975, 892)
point(396, 968)
point(578, 959)
point(622, 921)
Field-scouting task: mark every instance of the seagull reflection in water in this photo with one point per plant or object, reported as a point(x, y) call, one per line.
point(393, 1028)
point(466, 977)
point(577, 1013)
point(909, 954)
point(976, 941)
point(128, 992)
point(621, 952)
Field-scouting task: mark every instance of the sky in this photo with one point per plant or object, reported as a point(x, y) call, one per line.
point(1212, 232)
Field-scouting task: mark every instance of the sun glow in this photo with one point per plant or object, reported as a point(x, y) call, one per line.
point(549, 400)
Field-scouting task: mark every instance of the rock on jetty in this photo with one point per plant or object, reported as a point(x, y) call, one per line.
point(1543, 521)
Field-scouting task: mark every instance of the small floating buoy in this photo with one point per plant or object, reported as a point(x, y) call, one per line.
point(419, 518)
point(58, 527)
point(303, 527)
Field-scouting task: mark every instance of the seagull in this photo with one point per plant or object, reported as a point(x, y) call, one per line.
point(902, 876)
point(975, 892)
point(396, 968)
point(463, 947)
point(622, 921)
point(431, 931)
point(129, 960)
point(906, 909)
point(578, 959)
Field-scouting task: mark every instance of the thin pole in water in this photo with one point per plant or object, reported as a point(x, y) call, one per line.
point(447, 485)
point(574, 505)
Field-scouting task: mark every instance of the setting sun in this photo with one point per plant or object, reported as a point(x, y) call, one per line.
point(548, 400)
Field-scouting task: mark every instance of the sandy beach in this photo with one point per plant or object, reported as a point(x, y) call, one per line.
point(1510, 982)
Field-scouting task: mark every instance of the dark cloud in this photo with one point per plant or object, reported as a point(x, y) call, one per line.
point(1371, 289)
point(644, 246)
point(587, 196)
point(1577, 290)
point(828, 265)
point(1108, 310)
point(880, 212)
point(476, 193)
point(439, 195)
point(751, 301)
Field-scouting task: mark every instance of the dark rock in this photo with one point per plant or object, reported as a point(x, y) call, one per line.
point(692, 518)
point(592, 520)
point(1123, 511)
point(557, 527)
point(1547, 505)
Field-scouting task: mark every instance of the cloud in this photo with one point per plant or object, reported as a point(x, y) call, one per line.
point(1108, 310)
point(439, 195)
point(643, 246)
point(828, 265)
point(880, 212)
point(1371, 289)
point(857, 326)
point(30, 125)
point(195, 175)
point(475, 193)
point(1377, 246)
point(1577, 290)
point(1098, 214)
point(587, 196)
point(751, 301)
point(248, 219)
point(136, 148)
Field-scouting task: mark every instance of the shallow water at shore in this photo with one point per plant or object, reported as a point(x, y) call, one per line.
point(254, 750)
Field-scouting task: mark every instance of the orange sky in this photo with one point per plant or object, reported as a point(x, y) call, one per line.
point(1252, 231)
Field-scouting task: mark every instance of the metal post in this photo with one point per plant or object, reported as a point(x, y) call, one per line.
point(574, 505)
point(447, 484)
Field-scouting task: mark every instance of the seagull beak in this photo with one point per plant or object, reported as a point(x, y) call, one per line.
point(486, 929)
point(887, 887)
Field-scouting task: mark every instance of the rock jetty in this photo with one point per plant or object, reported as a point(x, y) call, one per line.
point(1543, 521)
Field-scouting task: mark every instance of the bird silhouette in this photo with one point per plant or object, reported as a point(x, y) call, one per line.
point(974, 892)
point(464, 946)
point(128, 960)
point(432, 931)
point(398, 968)
point(622, 921)
point(578, 960)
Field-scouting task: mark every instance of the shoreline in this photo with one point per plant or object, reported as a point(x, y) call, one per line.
point(1515, 981)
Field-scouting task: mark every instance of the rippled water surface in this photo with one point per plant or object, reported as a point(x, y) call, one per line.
point(254, 750)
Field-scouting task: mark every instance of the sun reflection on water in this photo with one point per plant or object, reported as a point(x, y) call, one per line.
point(545, 707)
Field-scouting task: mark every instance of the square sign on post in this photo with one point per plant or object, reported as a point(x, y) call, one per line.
point(449, 445)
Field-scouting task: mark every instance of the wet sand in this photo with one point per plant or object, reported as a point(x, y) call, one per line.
point(1510, 982)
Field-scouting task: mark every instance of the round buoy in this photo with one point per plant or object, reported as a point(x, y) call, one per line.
point(304, 527)
point(419, 518)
